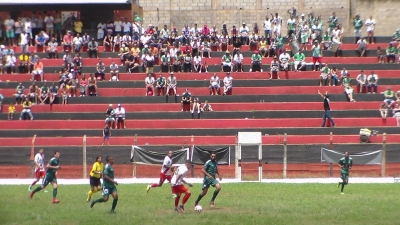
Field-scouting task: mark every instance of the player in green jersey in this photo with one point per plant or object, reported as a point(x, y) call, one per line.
point(50, 177)
point(345, 164)
point(210, 169)
point(109, 185)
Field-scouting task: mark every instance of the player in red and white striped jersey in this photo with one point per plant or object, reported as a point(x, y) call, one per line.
point(165, 172)
point(40, 170)
point(178, 186)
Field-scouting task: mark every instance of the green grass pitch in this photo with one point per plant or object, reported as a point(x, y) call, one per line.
point(242, 203)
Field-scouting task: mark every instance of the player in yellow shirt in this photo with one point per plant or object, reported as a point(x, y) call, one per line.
point(95, 175)
point(11, 111)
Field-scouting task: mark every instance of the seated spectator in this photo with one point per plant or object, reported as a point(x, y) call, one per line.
point(195, 44)
point(52, 51)
point(334, 76)
point(40, 41)
point(108, 42)
point(348, 90)
point(91, 88)
point(203, 67)
point(224, 42)
point(207, 107)
point(19, 94)
point(206, 47)
point(26, 108)
point(32, 60)
point(214, 84)
point(165, 62)
point(44, 94)
point(263, 47)
point(226, 62)
point(149, 82)
point(362, 47)
point(253, 40)
point(1, 103)
point(67, 41)
point(100, 68)
point(186, 99)
point(123, 54)
point(160, 85)
point(244, 34)
point(299, 58)
point(197, 62)
point(383, 110)
point(343, 74)
point(117, 42)
point(73, 84)
point(171, 83)
point(196, 107)
point(256, 63)
point(187, 63)
point(110, 116)
point(381, 57)
point(68, 61)
point(325, 79)
point(274, 67)
point(120, 114)
point(53, 93)
point(155, 53)
point(361, 80)
point(177, 64)
point(86, 38)
point(82, 86)
point(326, 41)
point(38, 70)
point(238, 61)
point(391, 53)
point(64, 97)
point(93, 48)
point(396, 114)
point(389, 98)
point(23, 63)
point(129, 62)
point(77, 42)
point(33, 92)
point(114, 72)
point(10, 62)
point(127, 40)
point(77, 61)
point(284, 59)
point(11, 111)
point(135, 50)
point(227, 83)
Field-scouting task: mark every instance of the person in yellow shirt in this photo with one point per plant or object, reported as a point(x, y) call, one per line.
point(78, 26)
point(23, 63)
point(95, 175)
point(11, 111)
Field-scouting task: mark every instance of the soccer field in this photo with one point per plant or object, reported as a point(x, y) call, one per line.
point(240, 203)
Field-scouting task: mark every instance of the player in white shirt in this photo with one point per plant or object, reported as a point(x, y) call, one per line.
point(165, 172)
point(178, 187)
point(40, 170)
point(370, 23)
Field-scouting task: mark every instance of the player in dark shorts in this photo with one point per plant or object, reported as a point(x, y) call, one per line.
point(95, 176)
point(345, 165)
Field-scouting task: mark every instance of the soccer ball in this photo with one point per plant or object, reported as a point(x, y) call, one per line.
point(198, 208)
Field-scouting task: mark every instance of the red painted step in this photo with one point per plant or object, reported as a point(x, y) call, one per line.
point(206, 76)
point(196, 124)
point(196, 140)
point(176, 107)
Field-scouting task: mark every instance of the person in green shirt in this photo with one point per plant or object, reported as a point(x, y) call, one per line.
point(396, 35)
point(357, 23)
point(279, 45)
point(226, 61)
point(389, 97)
point(186, 99)
point(324, 77)
point(165, 62)
point(109, 185)
point(50, 177)
point(332, 22)
point(210, 170)
point(256, 62)
point(291, 23)
point(391, 53)
point(326, 40)
point(299, 58)
point(160, 85)
point(345, 165)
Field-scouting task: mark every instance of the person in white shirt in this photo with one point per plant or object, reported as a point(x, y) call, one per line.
point(370, 23)
point(171, 83)
point(149, 82)
point(77, 43)
point(49, 20)
point(173, 51)
point(197, 62)
point(284, 59)
point(214, 84)
point(126, 26)
point(40, 169)
point(267, 29)
point(165, 173)
point(362, 46)
point(244, 34)
point(10, 62)
point(277, 22)
point(101, 27)
point(52, 48)
point(28, 26)
point(178, 187)
point(361, 80)
point(238, 60)
point(227, 83)
point(114, 72)
point(120, 114)
point(372, 82)
point(164, 33)
point(24, 41)
point(118, 25)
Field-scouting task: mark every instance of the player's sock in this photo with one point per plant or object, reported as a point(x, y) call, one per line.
point(100, 200)
point(34, 182)
point(199, 198)
point(114, 204)
point(214, 195)
point(185, 198)
point(39, 188)
point(90, 193)
point(154, 185)
point(342, 187)
point(177, 201)
point(54, 192)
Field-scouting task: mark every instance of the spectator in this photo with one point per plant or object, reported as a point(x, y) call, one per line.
point(299, 58)
point(83, 85)
point(77, 42)
point(207, 107)
point(279, 45)
point(343, 74)
point(67, 41)
point(256, 63)
point(52, 49)
point(24, 41)
point(177, 64)
point(114, 72)
point(127, 40)
point(28, 25)
point(100, 68)
point(117, 43)
point(164, 33)
point(381, 57)
point(53, 93)
point(110, 116)
point(238, 60)
point(317, 55)
point(64, 97)
point(57, 27)
point(186, 99)
point(38, 70)
point(244, 34)
point(91, 88)
point(23, 63)
point(149, 82)
point(148, 62)
point(304, 34)
point(108, 42)
point(327, 108)
point(26, 108)
point(49, 20)
point(11, 111)
point(44, 94)
point(67, 59)
point(187, 63)
point(33, 92)
point(160, 84)
point(205, 33)
point(109, 27)
point(326, 40)
point(348, 90)
point(171, 83)
point(101, 27)
point(73, 84)
point(224, 42)
point(19, 94)
point(93, 49)
point(118, 25)
point(383, 110)
point(324, 77)
point(361, 80)
point(214, 84)
point(135, 50)
point(389, 98)
point(362, 47)
point(226, 62)
point(124, 53)
point(370, 23)
point(358, 23)
point(206, 48)
point(155, 53)
point(197, 62)
point(227, 83)
point(40, 41)
point(120, 115)
point(263, 47)
point(9, 24)
point(274, 67)
point(165, 62)
point(10, 62)
point(196, 107)
point(129, 62)
point(333, 22)
point(106, 134)
point(391, 53)
point(203, 67)
point(291, 24)
point(334, 76)
point(396, 114)
point(284, 59)
point(78, 63)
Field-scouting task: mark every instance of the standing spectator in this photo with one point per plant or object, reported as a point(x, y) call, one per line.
point(256, 64)
point(277, 22)
point(186, 99)
point(238, 60)
point(52, 49)
point(49, 20)
point(361, 80)
point(317, 55)
point(23, 63)
point(93, 49)
point(77, 42)
point(28, 26)
point(362, 47)
point(389, 98)
point(19, 93)
point(227, 83)
point(214, 84)
point(118, 25)
point(109, 27)
point(370, 23)
point(101, 27)
point(106, 134)
point(26, 108)
point(160, 85)
point(267, 29)
point(100, 68)
point(333, 22)
point(57, 27)
point(127, 26)
point(226, 62)
point(291, 25)
point(372, 82)
point(114, 72)
point(244, 34)
point(304, 34)
point(149, 82)
point(299, 58)
point(18, 30)
point(120, 114)
point(110, 116)
point(327, 108)
point(11, 111)
point(391, 53)
point(171, 83)
point(64, 96)
point(357, 23)
point(9, 24)
point(38, 70)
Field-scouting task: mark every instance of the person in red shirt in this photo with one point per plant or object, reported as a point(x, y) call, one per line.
point(205, 32)
point(150, 30)
point(67, 41)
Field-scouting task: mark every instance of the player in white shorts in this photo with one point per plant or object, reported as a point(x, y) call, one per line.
point(165, 173)
point(40, 170)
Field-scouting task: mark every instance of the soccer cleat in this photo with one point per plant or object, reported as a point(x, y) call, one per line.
point(342, 193)
point(55, 201)
point(88, 200)
point(31, 195)
point(176, 209)
point(30, 188)
point(92, 204)
point(112, 212)
point(195, 204)
point(174, 196)
point(182, 209)
point(45, 191)
point(212, 204)
point(148, 188)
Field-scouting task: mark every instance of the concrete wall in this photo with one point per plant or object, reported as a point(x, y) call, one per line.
point(234, 12)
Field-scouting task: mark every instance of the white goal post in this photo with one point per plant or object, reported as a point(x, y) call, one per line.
point(248, 139)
